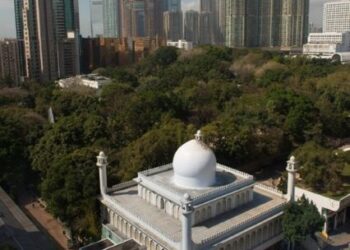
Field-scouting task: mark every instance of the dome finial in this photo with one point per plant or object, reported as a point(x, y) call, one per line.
point(198, 135)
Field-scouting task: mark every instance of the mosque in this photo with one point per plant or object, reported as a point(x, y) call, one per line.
point(191, 204)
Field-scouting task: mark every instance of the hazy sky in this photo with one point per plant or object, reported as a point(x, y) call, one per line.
point(7, 20)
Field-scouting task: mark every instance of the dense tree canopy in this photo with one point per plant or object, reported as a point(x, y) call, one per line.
point(253, 106)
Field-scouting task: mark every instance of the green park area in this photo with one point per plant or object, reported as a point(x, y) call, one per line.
point(254, 107)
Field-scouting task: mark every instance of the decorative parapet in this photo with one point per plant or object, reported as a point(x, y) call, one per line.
point(235, 172)
point(136, 219)
point(322, 201)
point(222, 190)
point(241, 226)
point(164, 191)
point(269, 189)
point(121, 186)
point(156, 170)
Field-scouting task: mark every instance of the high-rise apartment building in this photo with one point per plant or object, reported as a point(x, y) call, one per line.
point(267, 23)
point(221, 20)
point(133, 13)
point(295, 23)
point(111, 18)
point(237, 28)
point(66, 26)
point(214, 12)
point(10, 60)
point(172, 5)
point(159, 7)
point(50, 30)
point(39, 40)
point(336, 16)
point(96, 18)
point(19, 34)
point(206, 27)
point(191, 26)
point(173, 25)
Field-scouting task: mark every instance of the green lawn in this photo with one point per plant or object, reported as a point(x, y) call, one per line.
point(346, 186)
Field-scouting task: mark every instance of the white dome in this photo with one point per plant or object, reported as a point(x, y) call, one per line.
point(194, 165)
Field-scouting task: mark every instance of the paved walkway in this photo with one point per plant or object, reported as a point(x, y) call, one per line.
point(45, 220)
point(340, 239)
point(18, 229)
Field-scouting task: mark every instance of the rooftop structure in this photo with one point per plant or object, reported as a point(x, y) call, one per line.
point(193, 203)
point(328, 45)
point(335, 211)
point(181, 44)
point(92, 81)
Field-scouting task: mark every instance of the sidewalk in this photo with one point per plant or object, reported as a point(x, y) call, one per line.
point(45, 220)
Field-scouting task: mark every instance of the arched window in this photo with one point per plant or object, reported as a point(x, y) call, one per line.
point(229, 204)
point(209, 213)
point(218, 208)
point(241, 244)
point(197, 217)
point(253, 239)
point(161, 203)
point(247, 241)
point(203, 214)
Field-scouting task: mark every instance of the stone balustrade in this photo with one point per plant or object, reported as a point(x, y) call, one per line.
point(165, 191)
point(237, 228)
point(235, 172)
point(133, 218)
point(269, 189)
point(156, 170)
point(221, 191)
point(121, 186)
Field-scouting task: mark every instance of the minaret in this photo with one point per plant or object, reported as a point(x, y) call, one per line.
point(187, 210)
point(102, 165)
point(291, 169)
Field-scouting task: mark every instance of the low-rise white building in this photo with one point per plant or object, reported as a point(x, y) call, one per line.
point(94, 81)
point(181, 44)
point(327, 44)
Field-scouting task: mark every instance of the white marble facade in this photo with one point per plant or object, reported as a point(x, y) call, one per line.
point(159, 212)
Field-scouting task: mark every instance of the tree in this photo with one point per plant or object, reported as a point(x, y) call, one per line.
point(70, 187)
point(321, 167)
point(300, 219)
point(154, 148)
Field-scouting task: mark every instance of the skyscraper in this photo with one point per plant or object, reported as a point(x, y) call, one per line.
point(173, 25)
point(215, 13)
point(206, 27)
point(336, 16)
point(191, 26)
point(111, 18)
point(133, 18)
point(295, 23)
point(19, 35)
point(9, 60)
point(221, 21)
point(39, 43)
point(158, 12)
point(96, 18)
point(50, 30)
point(236, 25)
point(172, 5)
point(267, 23)
point(66, 26)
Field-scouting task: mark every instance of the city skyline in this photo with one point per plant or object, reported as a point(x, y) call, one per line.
point(9, 31)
